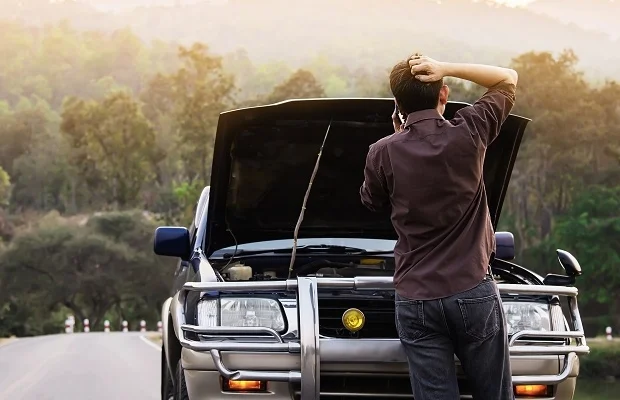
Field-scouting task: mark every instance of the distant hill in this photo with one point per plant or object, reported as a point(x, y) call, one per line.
point(596, 15)
point(367, 33)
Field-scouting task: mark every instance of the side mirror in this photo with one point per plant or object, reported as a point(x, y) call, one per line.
point(571, 267)
point(504, 246)
point(172, 241)
point(569, 263)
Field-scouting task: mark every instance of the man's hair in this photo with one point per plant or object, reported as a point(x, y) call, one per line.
point(410, 93)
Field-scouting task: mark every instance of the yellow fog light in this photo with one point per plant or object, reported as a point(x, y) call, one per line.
point(243, 386)
point(371, 261)
point(532, 390)
point(353, 319)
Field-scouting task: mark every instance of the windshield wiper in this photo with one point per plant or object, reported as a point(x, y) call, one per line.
point(335, 249)
point(310, 248)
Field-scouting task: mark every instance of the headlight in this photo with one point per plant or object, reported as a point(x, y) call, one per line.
point(526, 316)
point(236, 311)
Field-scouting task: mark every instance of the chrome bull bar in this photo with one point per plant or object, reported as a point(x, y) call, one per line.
point(312, 348)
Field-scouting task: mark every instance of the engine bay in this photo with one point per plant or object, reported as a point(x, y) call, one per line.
point(261, 268)
point(258, 269)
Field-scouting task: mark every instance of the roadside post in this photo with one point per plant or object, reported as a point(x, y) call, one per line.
point(125, 326)
point(608, 332)
point(159, 326)
point(106, 326)
point(143, 326)
point(86, 325)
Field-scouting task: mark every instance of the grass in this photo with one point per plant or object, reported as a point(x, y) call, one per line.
point(592, 389)
point(4, 341)
point(602, 342)
point(155, 338)
point(599, 371)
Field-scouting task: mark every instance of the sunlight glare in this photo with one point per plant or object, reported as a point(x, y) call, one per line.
point(514, 3)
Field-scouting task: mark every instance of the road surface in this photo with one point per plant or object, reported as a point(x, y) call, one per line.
point(80, 366)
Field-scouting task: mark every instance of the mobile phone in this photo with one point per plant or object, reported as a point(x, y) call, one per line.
point(397, 112)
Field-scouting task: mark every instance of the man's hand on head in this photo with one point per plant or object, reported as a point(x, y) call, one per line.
point(425, 69)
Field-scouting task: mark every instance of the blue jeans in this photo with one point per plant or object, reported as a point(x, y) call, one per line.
point(471, 325)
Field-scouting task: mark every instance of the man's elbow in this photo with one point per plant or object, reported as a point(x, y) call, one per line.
point(513, 76)
point(368, 204)
point(366, 199)
point(372, 204)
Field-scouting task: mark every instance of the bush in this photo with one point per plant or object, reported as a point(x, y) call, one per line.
point(603, 360)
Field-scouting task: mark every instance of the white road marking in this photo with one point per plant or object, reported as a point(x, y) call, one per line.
point(147, 341)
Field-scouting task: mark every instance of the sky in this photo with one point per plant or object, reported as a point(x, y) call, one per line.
point(594, 15)
point(514, 3)
point(132, 3)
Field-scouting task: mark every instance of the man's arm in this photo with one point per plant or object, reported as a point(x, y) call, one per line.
point(484, 75)
point(374, 192)
point(428, 70)
point(488, 113)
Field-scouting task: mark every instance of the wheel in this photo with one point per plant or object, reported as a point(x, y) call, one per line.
point(180, 391)
point(167, 386)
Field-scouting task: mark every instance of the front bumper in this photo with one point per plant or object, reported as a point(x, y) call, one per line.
point(299, 363)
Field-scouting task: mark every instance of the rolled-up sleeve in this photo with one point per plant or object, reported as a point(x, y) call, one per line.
point(486, 116)
point(374, 192)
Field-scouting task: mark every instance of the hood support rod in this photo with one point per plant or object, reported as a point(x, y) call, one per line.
point(303, 206)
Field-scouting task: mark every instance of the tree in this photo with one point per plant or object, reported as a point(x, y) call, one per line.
point(90, 269)
point(113, 143)
point(19, 130)
point(6, 228)
point(5, 188)
point(300, 85)
point(195, 95)
point(561, 142)
point(591, 232)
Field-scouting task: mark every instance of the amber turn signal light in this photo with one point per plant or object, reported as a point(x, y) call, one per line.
point(533, 390)
point(243, 386)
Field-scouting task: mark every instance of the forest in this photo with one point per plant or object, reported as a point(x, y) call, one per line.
point(100, 133)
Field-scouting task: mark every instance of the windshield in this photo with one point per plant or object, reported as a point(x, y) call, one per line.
point(366, 244)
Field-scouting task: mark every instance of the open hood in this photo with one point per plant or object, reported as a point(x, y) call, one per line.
point(264, 157)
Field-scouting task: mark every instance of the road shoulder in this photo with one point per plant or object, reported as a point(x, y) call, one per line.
point(5, 341)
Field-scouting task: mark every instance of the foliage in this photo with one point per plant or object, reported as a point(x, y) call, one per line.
point(85, 268)
point(194, 95)
point(603, 360)
point(301, 84)
point(591, 230)
point(5, 188)
point(113, 146)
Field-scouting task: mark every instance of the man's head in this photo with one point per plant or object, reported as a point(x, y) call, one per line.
point(413, 95)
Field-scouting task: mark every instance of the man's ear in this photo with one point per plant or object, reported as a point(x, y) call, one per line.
point(444, 93)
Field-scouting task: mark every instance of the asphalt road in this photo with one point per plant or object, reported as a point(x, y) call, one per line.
point(80, 366)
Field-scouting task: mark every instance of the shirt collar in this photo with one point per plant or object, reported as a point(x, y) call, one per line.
point(421, 115)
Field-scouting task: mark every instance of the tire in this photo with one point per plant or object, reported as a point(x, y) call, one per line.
point(181, 388)
point(167, 386)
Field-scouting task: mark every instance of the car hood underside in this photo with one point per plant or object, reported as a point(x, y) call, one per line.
point(264, 158)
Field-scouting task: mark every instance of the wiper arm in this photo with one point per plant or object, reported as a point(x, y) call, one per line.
point(331, 249)
point(242, 252)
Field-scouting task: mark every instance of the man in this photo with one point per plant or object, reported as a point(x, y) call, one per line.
point(430, 173)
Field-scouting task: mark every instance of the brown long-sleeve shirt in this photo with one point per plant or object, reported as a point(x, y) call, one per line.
point(431, 176)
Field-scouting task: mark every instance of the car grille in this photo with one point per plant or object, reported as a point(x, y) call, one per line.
point(379, 313)
point(367, 385)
